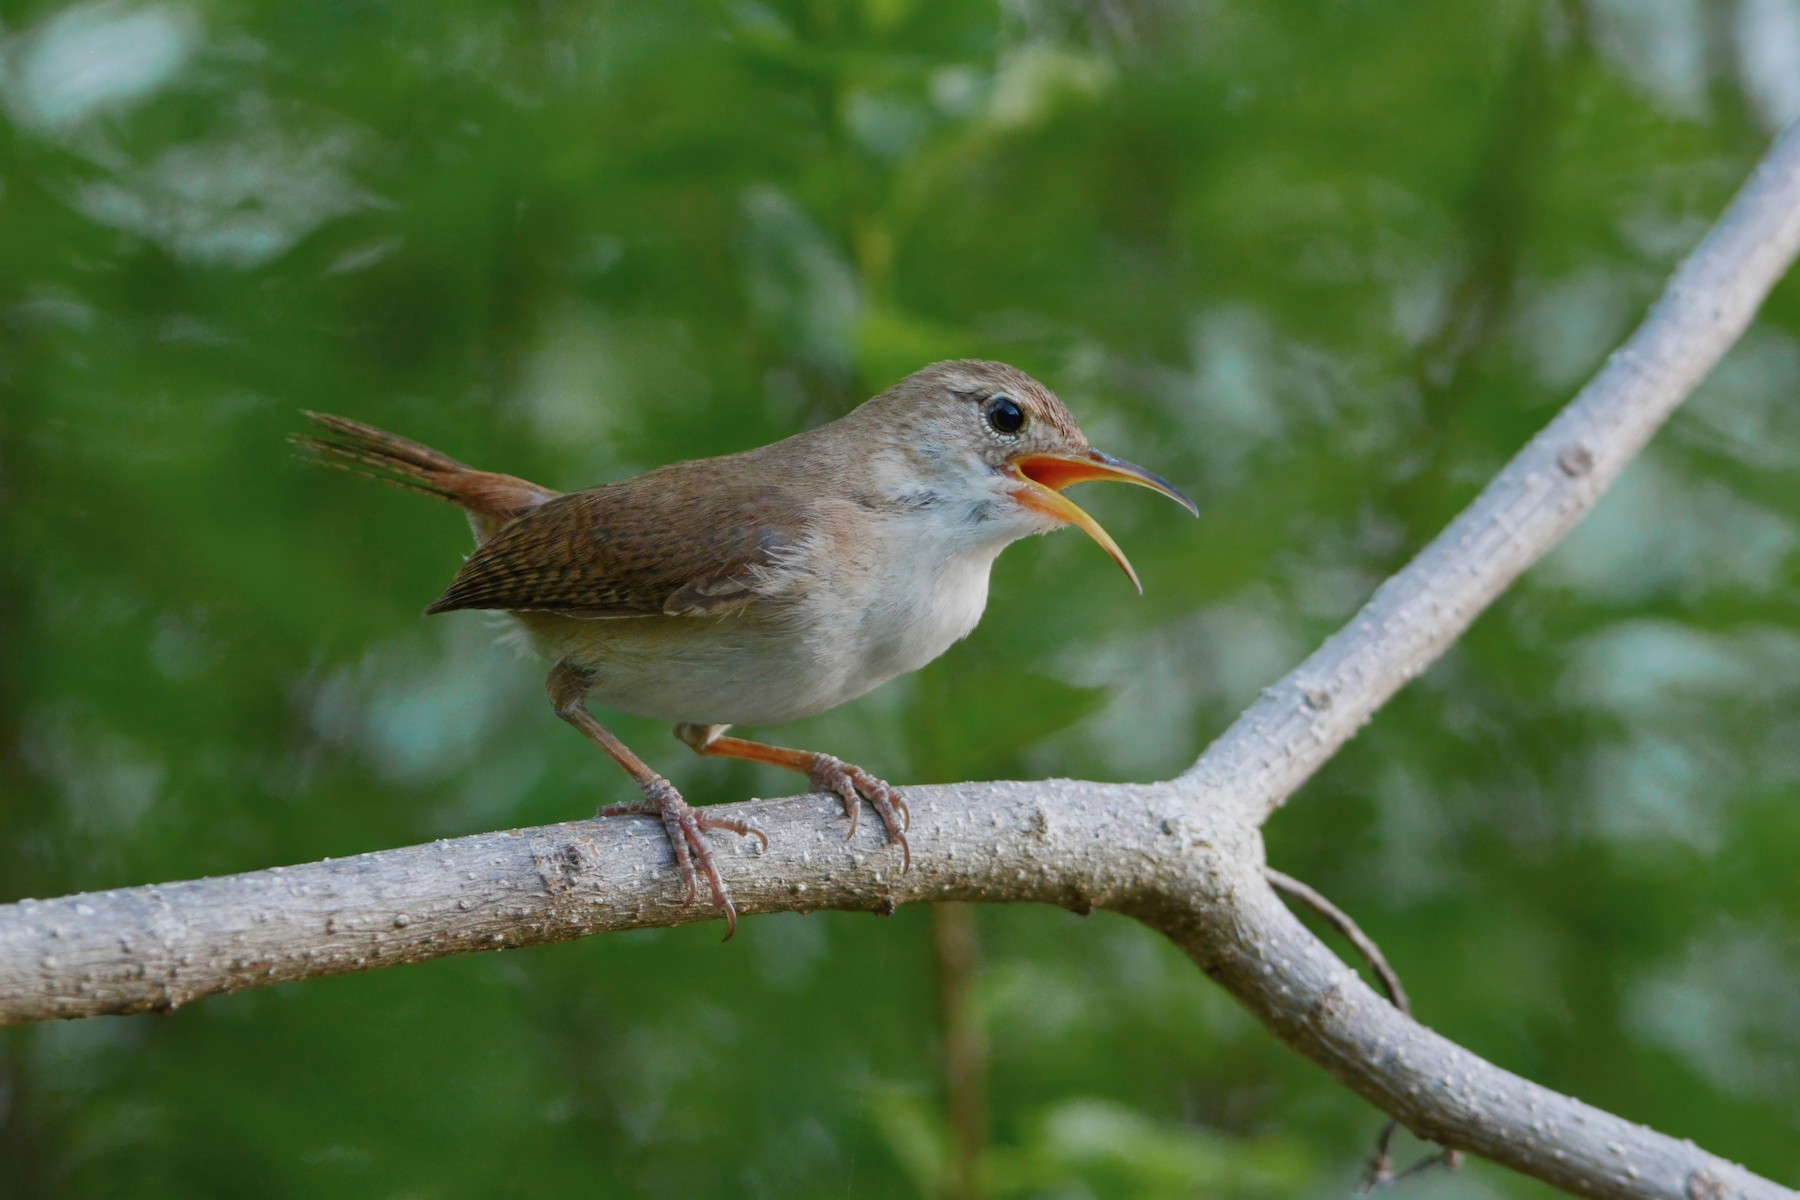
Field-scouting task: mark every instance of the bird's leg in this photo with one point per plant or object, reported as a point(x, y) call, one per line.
point(568, 686)
point(832, 776)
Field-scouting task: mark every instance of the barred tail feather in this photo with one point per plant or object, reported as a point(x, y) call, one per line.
point(490, 499)
point(376, 454)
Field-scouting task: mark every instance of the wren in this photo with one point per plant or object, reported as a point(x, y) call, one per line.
point(768, 585)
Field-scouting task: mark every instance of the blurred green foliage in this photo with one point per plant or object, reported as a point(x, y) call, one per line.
point(1324, 264)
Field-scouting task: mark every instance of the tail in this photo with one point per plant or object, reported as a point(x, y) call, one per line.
point(491, 500)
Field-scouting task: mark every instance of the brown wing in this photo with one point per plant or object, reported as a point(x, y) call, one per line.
point(684, 540)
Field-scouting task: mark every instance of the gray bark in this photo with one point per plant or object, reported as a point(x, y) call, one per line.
point(1184, 857)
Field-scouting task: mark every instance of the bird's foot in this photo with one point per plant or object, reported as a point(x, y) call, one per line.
point(685, 824)
point(852, 784)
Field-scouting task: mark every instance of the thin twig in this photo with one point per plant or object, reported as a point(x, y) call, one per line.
point(1379, 1172)
point(1341, 921)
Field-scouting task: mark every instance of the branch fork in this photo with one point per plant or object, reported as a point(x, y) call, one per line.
point(1184, 857)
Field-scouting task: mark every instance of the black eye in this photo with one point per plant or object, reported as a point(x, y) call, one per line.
point(1004, 414)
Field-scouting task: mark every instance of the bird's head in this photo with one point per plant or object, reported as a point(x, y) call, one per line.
point(995, 448)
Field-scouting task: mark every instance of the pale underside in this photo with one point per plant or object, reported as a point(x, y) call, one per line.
point(814, 636)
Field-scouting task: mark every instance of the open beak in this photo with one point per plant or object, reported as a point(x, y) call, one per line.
point(1046, 475)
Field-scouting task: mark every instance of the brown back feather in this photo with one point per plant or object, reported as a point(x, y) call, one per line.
point(693, 538)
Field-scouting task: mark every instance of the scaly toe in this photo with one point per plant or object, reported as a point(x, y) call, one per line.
point(887, 802)
point(693, 842)
point(676, 829)
point(832, 777)
point(685, 827)
point(741, 828)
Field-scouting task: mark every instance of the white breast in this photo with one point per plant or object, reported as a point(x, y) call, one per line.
point(922, 604)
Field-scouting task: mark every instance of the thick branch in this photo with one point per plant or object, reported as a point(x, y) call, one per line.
point(1144, 851)
point(1079, 845)
point(1183, 857)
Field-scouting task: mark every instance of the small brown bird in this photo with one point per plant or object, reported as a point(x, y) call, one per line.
point(765, 586)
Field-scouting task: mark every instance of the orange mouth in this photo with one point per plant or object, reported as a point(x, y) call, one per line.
point(1045, 475)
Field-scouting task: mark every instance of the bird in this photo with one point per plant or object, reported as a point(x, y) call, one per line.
point(764, 586)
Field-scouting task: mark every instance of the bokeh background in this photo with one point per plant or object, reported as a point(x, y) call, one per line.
point(1325, 264)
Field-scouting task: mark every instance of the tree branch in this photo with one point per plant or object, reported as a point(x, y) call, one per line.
point(1299, 723)
point(1184, 857)
point(1442, 1092)
point(161, 946)
point(1191, 873)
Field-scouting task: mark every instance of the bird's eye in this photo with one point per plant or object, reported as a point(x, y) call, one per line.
point(1004, 414)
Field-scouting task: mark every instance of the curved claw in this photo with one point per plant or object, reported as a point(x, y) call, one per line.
point(846, 791)
point(853, 785)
